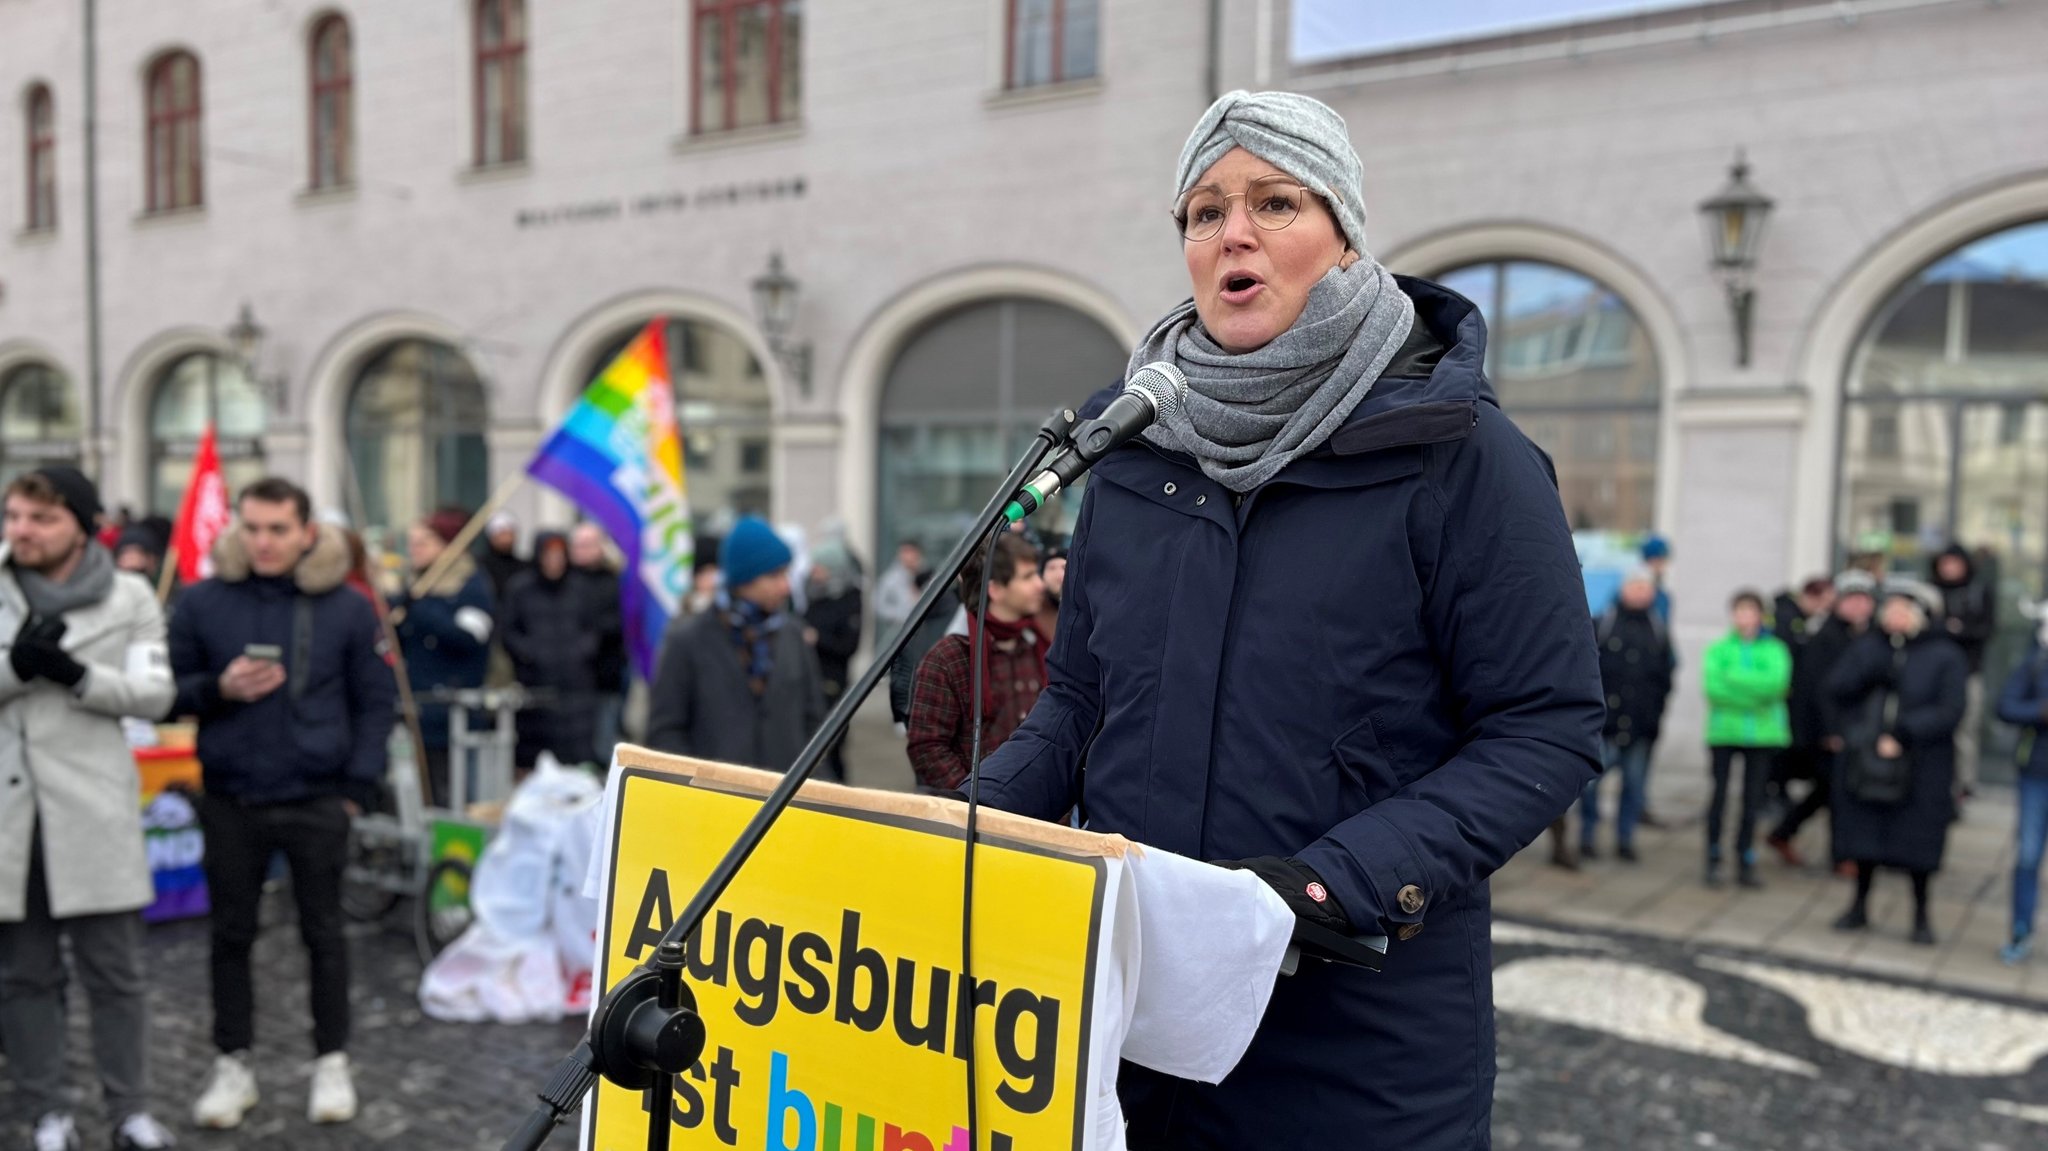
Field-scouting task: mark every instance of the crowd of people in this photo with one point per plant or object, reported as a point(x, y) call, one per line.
point(1859, 694)
point(1853, 696)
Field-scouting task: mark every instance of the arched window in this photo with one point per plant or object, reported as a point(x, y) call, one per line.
point(964, 397)
point(197, 389)
point(174, 138)
point(332, 107)
point(500, 82)
point(1574, 367)
point(724, 416)
point(42, 159)
point(38, 420)
point(416, 421)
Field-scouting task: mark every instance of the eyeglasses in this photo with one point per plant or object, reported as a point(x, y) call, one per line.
point(1272, 201)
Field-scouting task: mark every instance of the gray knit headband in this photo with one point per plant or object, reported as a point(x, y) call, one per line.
point(1297, 134)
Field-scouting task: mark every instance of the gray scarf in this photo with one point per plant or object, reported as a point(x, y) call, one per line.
point(1248, 415)
point(92, 582)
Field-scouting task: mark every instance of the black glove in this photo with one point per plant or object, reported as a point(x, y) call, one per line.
point(1299, 885)
point(38, 653)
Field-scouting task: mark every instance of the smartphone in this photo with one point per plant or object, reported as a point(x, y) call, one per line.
point(268, 652)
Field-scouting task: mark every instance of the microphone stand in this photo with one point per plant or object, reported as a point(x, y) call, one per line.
point(646, 1030)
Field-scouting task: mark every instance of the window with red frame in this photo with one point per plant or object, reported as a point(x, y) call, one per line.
point(42, 159)
point(174, 141)
point(500, 82)
point(332, 107)
point(1050, 41)
point(748, 63)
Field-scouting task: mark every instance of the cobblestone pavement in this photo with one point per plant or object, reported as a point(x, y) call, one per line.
point(1671, 1046)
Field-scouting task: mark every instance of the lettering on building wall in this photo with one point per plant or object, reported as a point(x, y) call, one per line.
point(728, 195)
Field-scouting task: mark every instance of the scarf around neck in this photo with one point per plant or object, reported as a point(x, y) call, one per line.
point(1247, 415)
point(753, 631)
point(90, 583)
point(1000, 632)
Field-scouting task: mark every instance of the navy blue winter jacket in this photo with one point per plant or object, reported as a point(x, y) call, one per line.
point(1380, 663)
point(2024, 703)
point(445, 636)
point(324, 732)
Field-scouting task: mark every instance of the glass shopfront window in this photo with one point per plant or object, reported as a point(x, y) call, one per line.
point(1574, 367)
point(416, 421)
point(962, 401)
point(39, 422)
point(195, 390)
point(1945, 434)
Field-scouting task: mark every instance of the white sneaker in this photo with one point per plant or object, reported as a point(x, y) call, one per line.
point(56, 1132)
point(141, 1132)
point(334, 1093)
point(230, 1092)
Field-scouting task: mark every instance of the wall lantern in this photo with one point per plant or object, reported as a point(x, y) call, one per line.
point(775, 300)
point(1735, 218)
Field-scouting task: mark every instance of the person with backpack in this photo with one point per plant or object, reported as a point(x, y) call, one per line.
point(1902, 690)
point(1748, 675)
point(1636, 662)
point(2024, 703)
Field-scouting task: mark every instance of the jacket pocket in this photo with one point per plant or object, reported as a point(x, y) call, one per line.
point(1364, 777)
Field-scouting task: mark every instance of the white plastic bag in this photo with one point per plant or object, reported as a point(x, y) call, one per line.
point(527, 955)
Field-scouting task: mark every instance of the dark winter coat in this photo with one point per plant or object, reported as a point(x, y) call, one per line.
point(1969, 605)
point(324, 732)
point(445, 636)
point(1930, 677)
point(2024, 704)
point(836, 619)
point(599, 587)
point(701, 705)
point(499, 569)
point(546, 626)
point(1636, 662)
point(1379, 663)
point(1813, 712)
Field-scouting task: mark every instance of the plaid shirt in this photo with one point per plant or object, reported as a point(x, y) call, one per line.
point(942, 727)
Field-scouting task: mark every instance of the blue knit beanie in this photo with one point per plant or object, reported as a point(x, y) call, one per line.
point(752, 551)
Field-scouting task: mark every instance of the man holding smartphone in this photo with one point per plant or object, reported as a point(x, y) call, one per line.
point(283, 665)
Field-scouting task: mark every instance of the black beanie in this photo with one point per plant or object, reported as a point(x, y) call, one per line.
point(80, 497)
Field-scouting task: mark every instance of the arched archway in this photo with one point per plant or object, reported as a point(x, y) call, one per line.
point(416, 421)
point(1639, 433)
point(1850, 310)
point(866, 370)
point(331, 382)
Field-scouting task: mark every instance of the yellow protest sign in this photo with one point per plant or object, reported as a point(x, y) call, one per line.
point(829, 974)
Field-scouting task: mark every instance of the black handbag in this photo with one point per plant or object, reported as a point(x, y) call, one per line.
point(1867, 776)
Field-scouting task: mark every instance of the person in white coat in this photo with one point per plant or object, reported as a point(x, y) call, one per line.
point(86, 648)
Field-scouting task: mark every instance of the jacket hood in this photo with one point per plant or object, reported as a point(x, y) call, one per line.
point(1459, 375)
point(1961, 553)
point(322, 569)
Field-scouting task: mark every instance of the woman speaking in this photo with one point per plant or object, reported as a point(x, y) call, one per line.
point(1326, 623)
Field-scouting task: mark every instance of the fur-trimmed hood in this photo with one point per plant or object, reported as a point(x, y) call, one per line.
point(320, 570)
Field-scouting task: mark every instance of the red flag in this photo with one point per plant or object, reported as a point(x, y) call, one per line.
point(203, 515)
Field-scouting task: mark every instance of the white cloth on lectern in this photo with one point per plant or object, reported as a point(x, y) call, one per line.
point(1210, 941)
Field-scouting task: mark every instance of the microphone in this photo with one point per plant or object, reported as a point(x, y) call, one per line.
point(1151, 394)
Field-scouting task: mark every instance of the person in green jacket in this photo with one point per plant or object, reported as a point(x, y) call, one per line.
point(1748, 676)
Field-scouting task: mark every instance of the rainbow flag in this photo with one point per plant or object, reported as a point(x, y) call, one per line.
point(617, 456)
